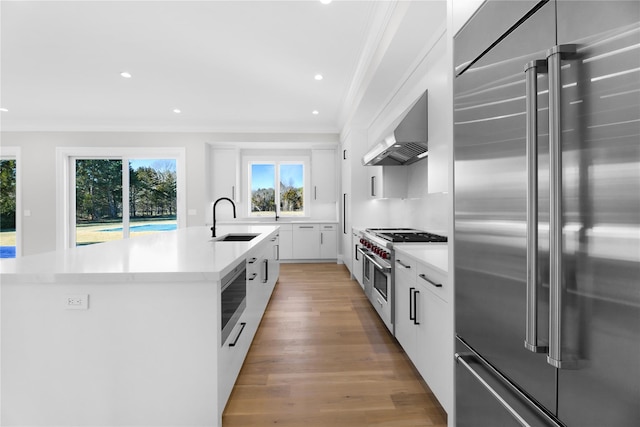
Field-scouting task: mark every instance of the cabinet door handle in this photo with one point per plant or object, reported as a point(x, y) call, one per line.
point(344, 154)
point(233, 344)
point(412, 316)
point(277, 252)
point(321, 238)
point(315, 192)
point(373, 186)
point(253, 276)
point(344, 213)
point(403, 264)
point(305, 226)
point(266, 270)
point(252, 260)
point(415, 307)
point(233, 192)
point(357, 259)
point(423, 277)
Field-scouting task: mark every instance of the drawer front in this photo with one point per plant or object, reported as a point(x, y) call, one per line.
point(434, 280)
point(405, 269)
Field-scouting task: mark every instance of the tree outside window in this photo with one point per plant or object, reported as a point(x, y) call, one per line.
point(8, 208)
point(288, 196)
point(102, 214)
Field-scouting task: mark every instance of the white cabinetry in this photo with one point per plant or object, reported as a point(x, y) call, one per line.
point(286, 241)
point(328, 241)
point(419, 328)
point(406, 330)
point(232, 353)
point(323, 176)
point(356, 263)
point(387, 182)
point(224, 173)
point(272, 255)
point(306, 241)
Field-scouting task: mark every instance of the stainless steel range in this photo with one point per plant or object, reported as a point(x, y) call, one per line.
point(376, 246)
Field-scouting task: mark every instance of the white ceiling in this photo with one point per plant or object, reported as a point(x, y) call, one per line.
point(229, 66)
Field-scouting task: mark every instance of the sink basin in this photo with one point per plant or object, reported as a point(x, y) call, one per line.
point(236, 238)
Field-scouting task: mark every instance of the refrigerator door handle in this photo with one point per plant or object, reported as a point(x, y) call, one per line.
point(531, 71)
point(460, 359)
point(554, 64)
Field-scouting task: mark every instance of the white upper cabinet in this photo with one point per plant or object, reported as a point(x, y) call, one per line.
point(387, 182)
point(323, 176)
point(224, 164)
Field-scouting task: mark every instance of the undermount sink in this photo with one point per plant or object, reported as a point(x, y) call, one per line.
point(236, 238)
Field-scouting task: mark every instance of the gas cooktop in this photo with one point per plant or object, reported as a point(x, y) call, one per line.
point(406, 235)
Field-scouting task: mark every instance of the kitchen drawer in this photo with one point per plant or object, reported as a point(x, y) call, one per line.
point(434, 280)
point(405, 268)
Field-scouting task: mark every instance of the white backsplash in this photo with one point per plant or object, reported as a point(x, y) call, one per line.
point(428, 213)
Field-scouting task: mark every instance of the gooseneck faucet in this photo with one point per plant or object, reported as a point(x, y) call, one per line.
point(213, 229)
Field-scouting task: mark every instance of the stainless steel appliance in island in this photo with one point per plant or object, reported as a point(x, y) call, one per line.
point(547, 214)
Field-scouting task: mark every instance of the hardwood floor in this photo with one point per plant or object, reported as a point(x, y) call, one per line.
point(322, 357)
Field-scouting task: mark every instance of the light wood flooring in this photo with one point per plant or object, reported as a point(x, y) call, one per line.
point(322, 357)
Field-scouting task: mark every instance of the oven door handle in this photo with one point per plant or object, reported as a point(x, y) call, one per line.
point(376, 264)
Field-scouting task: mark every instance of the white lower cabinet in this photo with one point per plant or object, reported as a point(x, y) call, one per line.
point(231, 356)
point(435, 356)
point(306, 241)
point(356, 263)
point(328, 241)
point(263, 268)
point(406, 330)
point(285, 245)
point(420, 317)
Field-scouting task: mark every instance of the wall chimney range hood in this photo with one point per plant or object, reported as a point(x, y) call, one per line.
point(408, 142)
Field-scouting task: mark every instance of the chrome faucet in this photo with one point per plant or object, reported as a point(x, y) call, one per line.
point(213, 229)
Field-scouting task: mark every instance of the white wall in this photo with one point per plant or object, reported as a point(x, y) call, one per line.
point(38, 170)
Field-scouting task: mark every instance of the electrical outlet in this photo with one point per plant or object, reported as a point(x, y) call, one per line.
point(76, 302)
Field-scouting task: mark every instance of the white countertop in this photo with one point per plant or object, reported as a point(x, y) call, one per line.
point(187, 254)
point(273, 222)
point(435, 254)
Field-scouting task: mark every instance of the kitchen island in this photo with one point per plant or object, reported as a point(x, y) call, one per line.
point(129, 332)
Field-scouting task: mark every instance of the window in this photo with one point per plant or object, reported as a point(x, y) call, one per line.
point(99, 203)
point(121, 196)
point(288, 196)
point(8, 207)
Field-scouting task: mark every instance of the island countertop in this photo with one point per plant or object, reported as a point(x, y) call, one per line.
point(187, 254)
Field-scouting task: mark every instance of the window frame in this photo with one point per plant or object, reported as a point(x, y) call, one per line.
point(305, 161)
point(14, 153)
point(65, 185)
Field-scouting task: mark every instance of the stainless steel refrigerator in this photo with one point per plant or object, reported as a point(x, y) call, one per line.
point(547, 214)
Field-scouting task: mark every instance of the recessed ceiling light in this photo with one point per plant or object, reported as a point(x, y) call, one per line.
point(318, 77)
point(325, 1)
point(177, 111)
point(4, 110)
point(315, 112)
point(125, 74)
